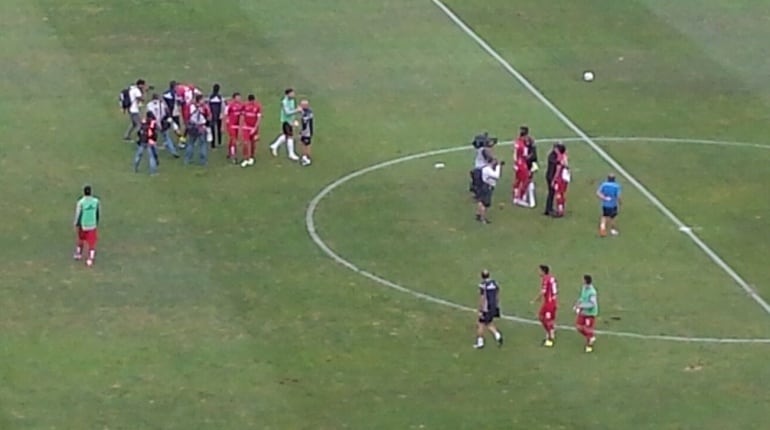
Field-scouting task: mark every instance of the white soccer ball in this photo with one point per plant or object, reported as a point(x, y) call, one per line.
point(588, 76)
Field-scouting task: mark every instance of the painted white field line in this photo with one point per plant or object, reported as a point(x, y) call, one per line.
point(604, 155)
point(313, 232)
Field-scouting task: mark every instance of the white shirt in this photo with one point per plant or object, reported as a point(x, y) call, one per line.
point(158, 108)
point(196, 116)
point(490, 174)
point(134, 94)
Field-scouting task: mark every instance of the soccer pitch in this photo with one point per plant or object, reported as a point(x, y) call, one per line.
point(339, 296)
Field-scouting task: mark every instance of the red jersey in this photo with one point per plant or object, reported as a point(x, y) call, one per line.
point(561, 162)
point(251, 114)
point(548, 289)
point(521, 149)
point(233, 111)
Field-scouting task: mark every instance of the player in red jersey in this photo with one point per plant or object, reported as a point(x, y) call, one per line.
point(547, 296)
point(233, 113)
point(186, 94)
point(252, 116)
point(561, 179)
point(523, 186)
point(521, 182)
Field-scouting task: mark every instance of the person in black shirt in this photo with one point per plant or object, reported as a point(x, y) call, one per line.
point(550, 174)
point(489, 309)
point(216, 105)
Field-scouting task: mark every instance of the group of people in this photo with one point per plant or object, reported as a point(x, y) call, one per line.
point(197, 123)
point(487, 171)
point(586, 307)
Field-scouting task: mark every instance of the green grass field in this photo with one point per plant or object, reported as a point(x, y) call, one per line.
point(210, 307)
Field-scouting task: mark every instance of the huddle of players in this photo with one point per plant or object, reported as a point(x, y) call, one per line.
point(586, 307)
point(487, 171)
point(183, 105)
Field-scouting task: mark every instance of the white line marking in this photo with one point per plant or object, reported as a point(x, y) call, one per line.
point(313, 232)
point(604, 155)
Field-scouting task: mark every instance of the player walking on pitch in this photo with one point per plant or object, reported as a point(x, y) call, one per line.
point(587, 308)
point(489, 309)
point(548, 304)
point(289, 111)
point(87, 211)
point(609, 193)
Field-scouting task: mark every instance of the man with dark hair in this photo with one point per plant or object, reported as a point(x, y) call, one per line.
point(148, 137)
point(609, 193)
point(587, 309)
point(489, 309)
point(482, 144)
point(216, 104)
point(87, 211)
point(490, 174)
point(135, 98)
point(289, 111)
point(196, 131)
point(252, 117)
point(550, 174)
point(561, 180)
point(548, 298)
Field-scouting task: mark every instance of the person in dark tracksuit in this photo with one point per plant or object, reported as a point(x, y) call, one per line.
point(550, 174)
point(216, 106)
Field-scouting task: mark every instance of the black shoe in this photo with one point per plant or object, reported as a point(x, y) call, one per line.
point(478, 217)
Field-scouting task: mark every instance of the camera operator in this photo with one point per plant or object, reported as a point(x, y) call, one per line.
point(490, 174)
point(483, 145)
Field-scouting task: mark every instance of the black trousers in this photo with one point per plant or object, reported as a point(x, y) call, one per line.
point(549, 199)
point(216, 132)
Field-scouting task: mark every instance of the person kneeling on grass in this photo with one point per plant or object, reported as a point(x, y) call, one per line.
point(490, 174)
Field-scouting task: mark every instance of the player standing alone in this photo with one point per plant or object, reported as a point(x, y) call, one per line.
point(87, 212)
point(289, 111)
point(548, 304)
point(609, 193)
point(489, 309)
point(587, 308)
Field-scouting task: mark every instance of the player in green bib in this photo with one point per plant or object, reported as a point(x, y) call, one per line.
point(587, 308)
point(87, 211)
point(289, 111)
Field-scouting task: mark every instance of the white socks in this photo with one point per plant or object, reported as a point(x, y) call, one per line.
point(497, 335)
point(290, 149)
point(289, 146)
point(479, 342)
point(278, 142)
point(531, 194)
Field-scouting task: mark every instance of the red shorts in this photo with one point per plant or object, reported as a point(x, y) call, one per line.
point(250, 134)
point(522, 176)
point(585, 321)
point(232, 132)
point(560, 186)
point(88, 236)
point(186, 113)
point(547, 312)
